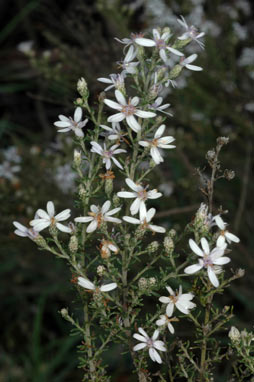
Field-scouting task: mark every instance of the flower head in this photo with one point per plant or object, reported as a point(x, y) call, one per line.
point(140, 193)
point(127, 111)
point(98, 215)
point(75, 124)
point(164, 320)
point(108, 154)
point(106, 247)
point(158, 142)
point(115, 81)
point(23, 231)
point(211, 260)
point(157, 106)
point(114, 132)
point(49, 219)
point(225, 235)
point(127, 65)
point(182, 301)
point(144, 220)
point(151, 343)
point(190, 32)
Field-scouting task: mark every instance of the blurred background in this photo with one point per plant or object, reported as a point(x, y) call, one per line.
point(46, 46)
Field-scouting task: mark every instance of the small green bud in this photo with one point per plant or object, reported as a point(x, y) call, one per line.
point(77, 157)
point(174, 73)
point(181, 43)
point(116, 200)
point(40, 241)
point(108, 187)
point(101, 270)
point(140, 231)
point(53, 230)
point(172, 233)
point(153, 247)
point(73, 244)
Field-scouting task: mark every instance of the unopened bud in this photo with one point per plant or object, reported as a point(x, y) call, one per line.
point(168, 244)
point(142, 283)
point(210, 155)
point(73, 244)
point(153, 247)
point(108, 187)
point(77, 157)
point(174, 73)
point(64, 312)
point(82, 192)
point(240, 272)
point(101, 270)
point(222, 141)
point(234, 334)
point(116, 201)
point(40, 241)
point(172, 233)
point(82, 88)
point(152, 281)
point(140, 231)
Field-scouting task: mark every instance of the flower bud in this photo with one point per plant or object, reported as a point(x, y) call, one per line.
point(142, 283)
point(152, 281)
point(116, 201)
point(172, 233)
point(73, 244)
point(108, 187)
point(152, 247)
point(82, 88)
point(140, 231)
point(101, 270)
point(82, 192)
point(234, 334)
point(181, 43)
point(40, 241)
point(168, 244)
point(210, 155)
point(222, 141)
point(64, 312)
point(77, 157)
point(174, 73)
point(229, 174)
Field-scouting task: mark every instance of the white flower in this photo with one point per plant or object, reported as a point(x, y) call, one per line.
point(115, 132)
point(115, 80)
point(127, 64)
point(165, 320)
point(129, 41)
point(209, 260)
point(186, 63)
point(140, 193)
point(182, 301)
point(24, 231)
point(224, 234)
point(12, 155)
point(144, 219)
point(191, 32)
point(87, 284)
point(99, 215)
point(106, 247)
point(157, 143)
point(157, 106)
point(45, 219)
point(160, 41)
point(75, 124)
point(7, 170)
point(107, 154)
point(151, 343)
point(127, 111)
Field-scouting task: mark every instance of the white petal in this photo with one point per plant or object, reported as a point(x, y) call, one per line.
point(41, 225)
point(84, 219)
point(144, 41)
point(195, 248)
point(85, 283)
point(145, 114)
point(143, 332)
point(194, 68)
point(193, 269)
point(117, 163)
point(78, 114)
point(150, 214)
point(159, 345)
point(62, 124)
point(159, 131)
point(170, 309)
point(106, 207)
point(78, 132)
point(116, 117)
point(175, 51)
point(157, 228)
point(63, 215)
point(170, 291)
point(113, 212)
point(155, 335)
point(20, 227)
point(157, 158)
point(63, 228)
point(212, 277)
point(132, 185)
point(131, 220)
point(51, 209)
point(133, 123)
point(205, 245)
point(112, 104)
point(220, 241)
point(222, 260)
point(144, 143)
point(191, 58)
point(126, 194)
point(135, 101)
point(220, 223)
point(139, 337)
point(108, 287)
point(139, 346)
point(232, 237)
point(171, 328)
point(120, 97)
point(154, 355)
point(92, 226)
point(112, 220)
point(134, 208)
point(43, 214)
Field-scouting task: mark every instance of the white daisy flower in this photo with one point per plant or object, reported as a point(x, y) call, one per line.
point(209, 260)
point(127, 111)
point(140, 193)
point(127, 65)
point(164, 320)
point(24, 231)
point(158, 142)
point(144, 219)
point(87, 284)
point(107, 154)
point(106, 247)
point(224, 234)
point(74, 124)
point(190, 32)
point(115, 132)
point(185, 62)
point(157, 106)
point(115, 81)
point(98, 215)
point(182, 301)
point(151, 343)
point(160, 41)
point(45, 219)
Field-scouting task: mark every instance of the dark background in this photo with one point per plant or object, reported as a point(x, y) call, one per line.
point(73, 40)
